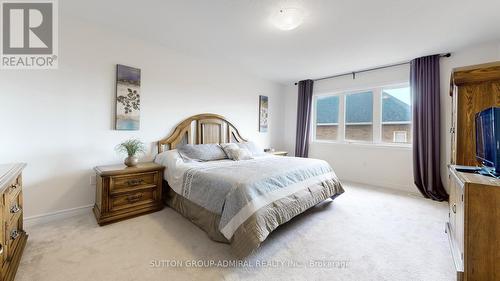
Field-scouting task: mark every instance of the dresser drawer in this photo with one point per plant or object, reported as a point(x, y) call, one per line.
point(119, 184)
point(133, 199)
point(13, 190)
point(13, 207)
point(3, 244)
point(13, 231)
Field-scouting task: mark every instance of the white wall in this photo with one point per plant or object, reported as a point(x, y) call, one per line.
point(390, 167)
point(60, 121)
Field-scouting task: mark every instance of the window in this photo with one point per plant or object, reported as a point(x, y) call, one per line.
point(377, 115)
point(359, 116)
point(396, 115)
point(327, 118)
point(400, 136)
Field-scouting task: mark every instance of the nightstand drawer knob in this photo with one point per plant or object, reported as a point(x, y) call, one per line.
point(15, 209)
point(14, 234)
point(15, 186)
point(134, 182)
point(134, 198)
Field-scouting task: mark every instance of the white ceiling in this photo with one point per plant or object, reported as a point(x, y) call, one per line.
point(336, 36)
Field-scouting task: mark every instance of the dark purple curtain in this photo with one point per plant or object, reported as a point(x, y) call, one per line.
point(304, 108)
point(424, 82)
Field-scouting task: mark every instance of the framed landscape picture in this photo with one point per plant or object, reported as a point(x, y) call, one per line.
point(128, 98)
point(263, 113)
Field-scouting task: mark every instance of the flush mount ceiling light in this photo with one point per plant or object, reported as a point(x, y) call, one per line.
point(288, 18)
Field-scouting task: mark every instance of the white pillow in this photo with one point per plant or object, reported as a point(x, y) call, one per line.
point(169, 159)
point(254, 148)
point(201, 152)
point(236, 153)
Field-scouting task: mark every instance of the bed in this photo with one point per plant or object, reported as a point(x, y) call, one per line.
point(238, 202)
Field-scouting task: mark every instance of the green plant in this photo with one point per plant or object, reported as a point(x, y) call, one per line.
point(131, 147)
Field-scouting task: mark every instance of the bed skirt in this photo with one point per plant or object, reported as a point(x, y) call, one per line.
point(257, 227)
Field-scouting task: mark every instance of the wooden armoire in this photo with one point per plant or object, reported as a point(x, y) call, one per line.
point(473, 88)
point(473, 227)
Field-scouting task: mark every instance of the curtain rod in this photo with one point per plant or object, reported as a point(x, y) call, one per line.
point(353, 73)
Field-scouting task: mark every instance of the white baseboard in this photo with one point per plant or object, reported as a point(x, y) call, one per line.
point(384, 185)
point(57, 215)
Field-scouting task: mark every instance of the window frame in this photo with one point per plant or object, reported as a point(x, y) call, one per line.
point(360, 123)
point(396, 86)
point(376, 119)
point(340, 130)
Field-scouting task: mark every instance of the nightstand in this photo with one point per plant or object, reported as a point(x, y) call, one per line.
point(123, 192)
point(279, 153)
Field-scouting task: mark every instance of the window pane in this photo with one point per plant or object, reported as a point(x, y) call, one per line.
point(396, 115)
point(327, 118)
point(359, 116)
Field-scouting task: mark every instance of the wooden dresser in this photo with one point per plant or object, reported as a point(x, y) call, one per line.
point(474, 225)
point(12, 235)
point(123, 192)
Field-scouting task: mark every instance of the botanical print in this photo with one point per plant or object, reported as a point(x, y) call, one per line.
point(128, 97)
point(263, 113)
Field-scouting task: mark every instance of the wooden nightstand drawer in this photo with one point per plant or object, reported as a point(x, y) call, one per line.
point(132, 199)
point(131, 182)
point(124, 192)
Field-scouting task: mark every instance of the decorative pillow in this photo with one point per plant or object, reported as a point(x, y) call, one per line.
point(254, 148)
point(201, 152)
point(236, 153)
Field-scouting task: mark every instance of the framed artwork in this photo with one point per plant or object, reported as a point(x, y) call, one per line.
point(263, 113)
point(128, 98)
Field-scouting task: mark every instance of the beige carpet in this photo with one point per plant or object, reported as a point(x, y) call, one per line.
point(365, 234)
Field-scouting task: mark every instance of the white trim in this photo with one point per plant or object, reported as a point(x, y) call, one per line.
point(406, 146)
point(408, 190)
point(396, 123)
point(377, 115)
point(341, 128)
point(327, 124)
point(358, 123)
point(57, 215)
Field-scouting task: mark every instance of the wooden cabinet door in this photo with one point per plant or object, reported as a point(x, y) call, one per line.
point(453, 125)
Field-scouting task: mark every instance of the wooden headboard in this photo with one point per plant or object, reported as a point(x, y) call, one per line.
point(200, 129)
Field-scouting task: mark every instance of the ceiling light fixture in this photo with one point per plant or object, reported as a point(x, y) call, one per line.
point(288, 18)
